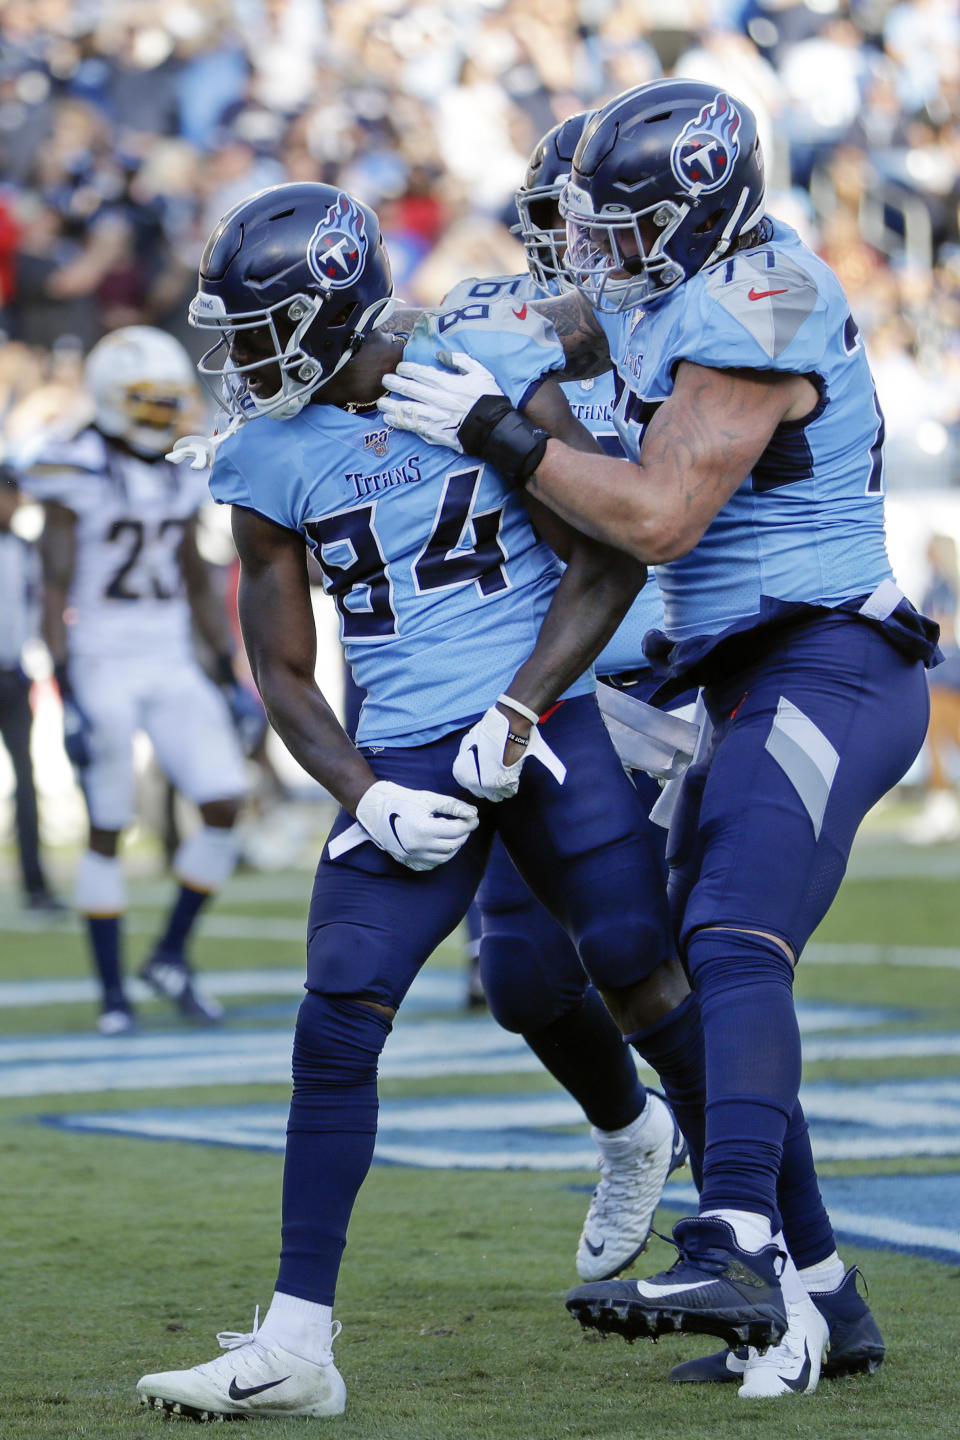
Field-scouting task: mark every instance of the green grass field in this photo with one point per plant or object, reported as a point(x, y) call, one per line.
point(122, 1255)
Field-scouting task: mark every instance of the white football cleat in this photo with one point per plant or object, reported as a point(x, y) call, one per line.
point(632, 1178)
point(119, 1020)
point(793, 1366)
point(251, 1379)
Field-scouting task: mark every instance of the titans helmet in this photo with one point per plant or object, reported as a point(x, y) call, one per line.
point(141, 381)
point(304, 266)
point(665, 179)
point(543, 234)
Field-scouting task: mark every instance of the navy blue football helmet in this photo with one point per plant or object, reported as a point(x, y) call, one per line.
point(665, 179)
point(304, 265)
point(544, 240)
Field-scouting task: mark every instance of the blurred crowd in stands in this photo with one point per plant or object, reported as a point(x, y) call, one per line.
point(127, 127)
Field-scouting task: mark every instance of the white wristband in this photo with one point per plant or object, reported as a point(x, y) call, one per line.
point(523, 710)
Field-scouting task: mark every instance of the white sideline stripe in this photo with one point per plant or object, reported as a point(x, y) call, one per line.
point(85, 1064)
point(258, 928)
point(433, 986)
point(851, 1224)
point(923, 957)
point(506, 1123)
point(219, 926)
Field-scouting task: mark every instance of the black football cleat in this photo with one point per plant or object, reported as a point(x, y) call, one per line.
point(712, 1288)
point(856, 1345)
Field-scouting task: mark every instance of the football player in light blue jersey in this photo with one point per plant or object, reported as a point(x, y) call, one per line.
point(756, 487)
point(448, 599)
point(528, 967)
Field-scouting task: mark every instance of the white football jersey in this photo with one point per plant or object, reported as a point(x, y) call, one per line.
point(127, 596)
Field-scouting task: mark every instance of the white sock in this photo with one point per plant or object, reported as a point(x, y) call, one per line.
point(299, 1326)
point(794, 1290)
point(752, 1231)
point(825, 1275)
point(616, 1144)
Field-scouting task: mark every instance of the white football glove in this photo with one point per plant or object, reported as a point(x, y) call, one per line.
point(417, 827)
point(479, 765)
point(198, 449)
point(436, 402)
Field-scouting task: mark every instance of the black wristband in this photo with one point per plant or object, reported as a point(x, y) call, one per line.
point(497, 433)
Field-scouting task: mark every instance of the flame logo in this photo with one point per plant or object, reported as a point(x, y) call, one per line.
point(706, 150)
point(338, 246)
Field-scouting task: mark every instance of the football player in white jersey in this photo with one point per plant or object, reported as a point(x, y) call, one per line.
point(123, 584)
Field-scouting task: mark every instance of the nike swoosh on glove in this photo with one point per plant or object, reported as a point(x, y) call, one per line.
point(479, 766)
point(419, 828)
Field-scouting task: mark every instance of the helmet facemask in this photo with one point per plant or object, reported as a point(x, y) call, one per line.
point(543, 233)
point(300, 372)
point(624, 260)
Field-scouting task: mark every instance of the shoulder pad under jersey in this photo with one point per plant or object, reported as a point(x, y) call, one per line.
point(510, 338)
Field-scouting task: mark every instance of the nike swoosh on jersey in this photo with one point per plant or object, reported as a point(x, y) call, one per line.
point(763, 294)
point(237, 1392)
point(521, 314)
point(654, 1292)
point(391, 821)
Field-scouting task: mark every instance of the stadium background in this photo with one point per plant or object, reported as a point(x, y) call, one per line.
point(126, 129)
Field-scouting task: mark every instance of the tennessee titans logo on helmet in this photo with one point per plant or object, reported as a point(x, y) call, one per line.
point(338, 246)
point(706, 149)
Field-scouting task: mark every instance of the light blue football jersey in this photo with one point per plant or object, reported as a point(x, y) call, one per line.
point(807, 523)
point(592, 402)
point(439, 579)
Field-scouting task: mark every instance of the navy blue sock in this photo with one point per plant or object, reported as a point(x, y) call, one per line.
point(806, 1224)
point(674, 1048)
point(104, 933)
point(186, 908)
point(584, 1050)
point(330, 1138)
point(752, 1043)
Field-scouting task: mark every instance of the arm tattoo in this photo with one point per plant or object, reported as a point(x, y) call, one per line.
point(401, 322)
point(583, 341)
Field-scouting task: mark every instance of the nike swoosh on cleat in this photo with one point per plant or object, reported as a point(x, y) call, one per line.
point(391, 821)
point(594, 1249)
point(236, 1392)
point(654, 1292)
point(803, 1379)
point(763, 294)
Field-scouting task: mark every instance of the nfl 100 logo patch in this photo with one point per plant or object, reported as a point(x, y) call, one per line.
point(376, 440)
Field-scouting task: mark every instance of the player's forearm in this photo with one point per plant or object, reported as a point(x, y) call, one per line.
point(594, 594)
point(608, 500)
point(312, 733)
point(52, 625)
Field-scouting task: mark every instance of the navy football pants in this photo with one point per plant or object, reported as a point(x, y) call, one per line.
point(807, 739)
